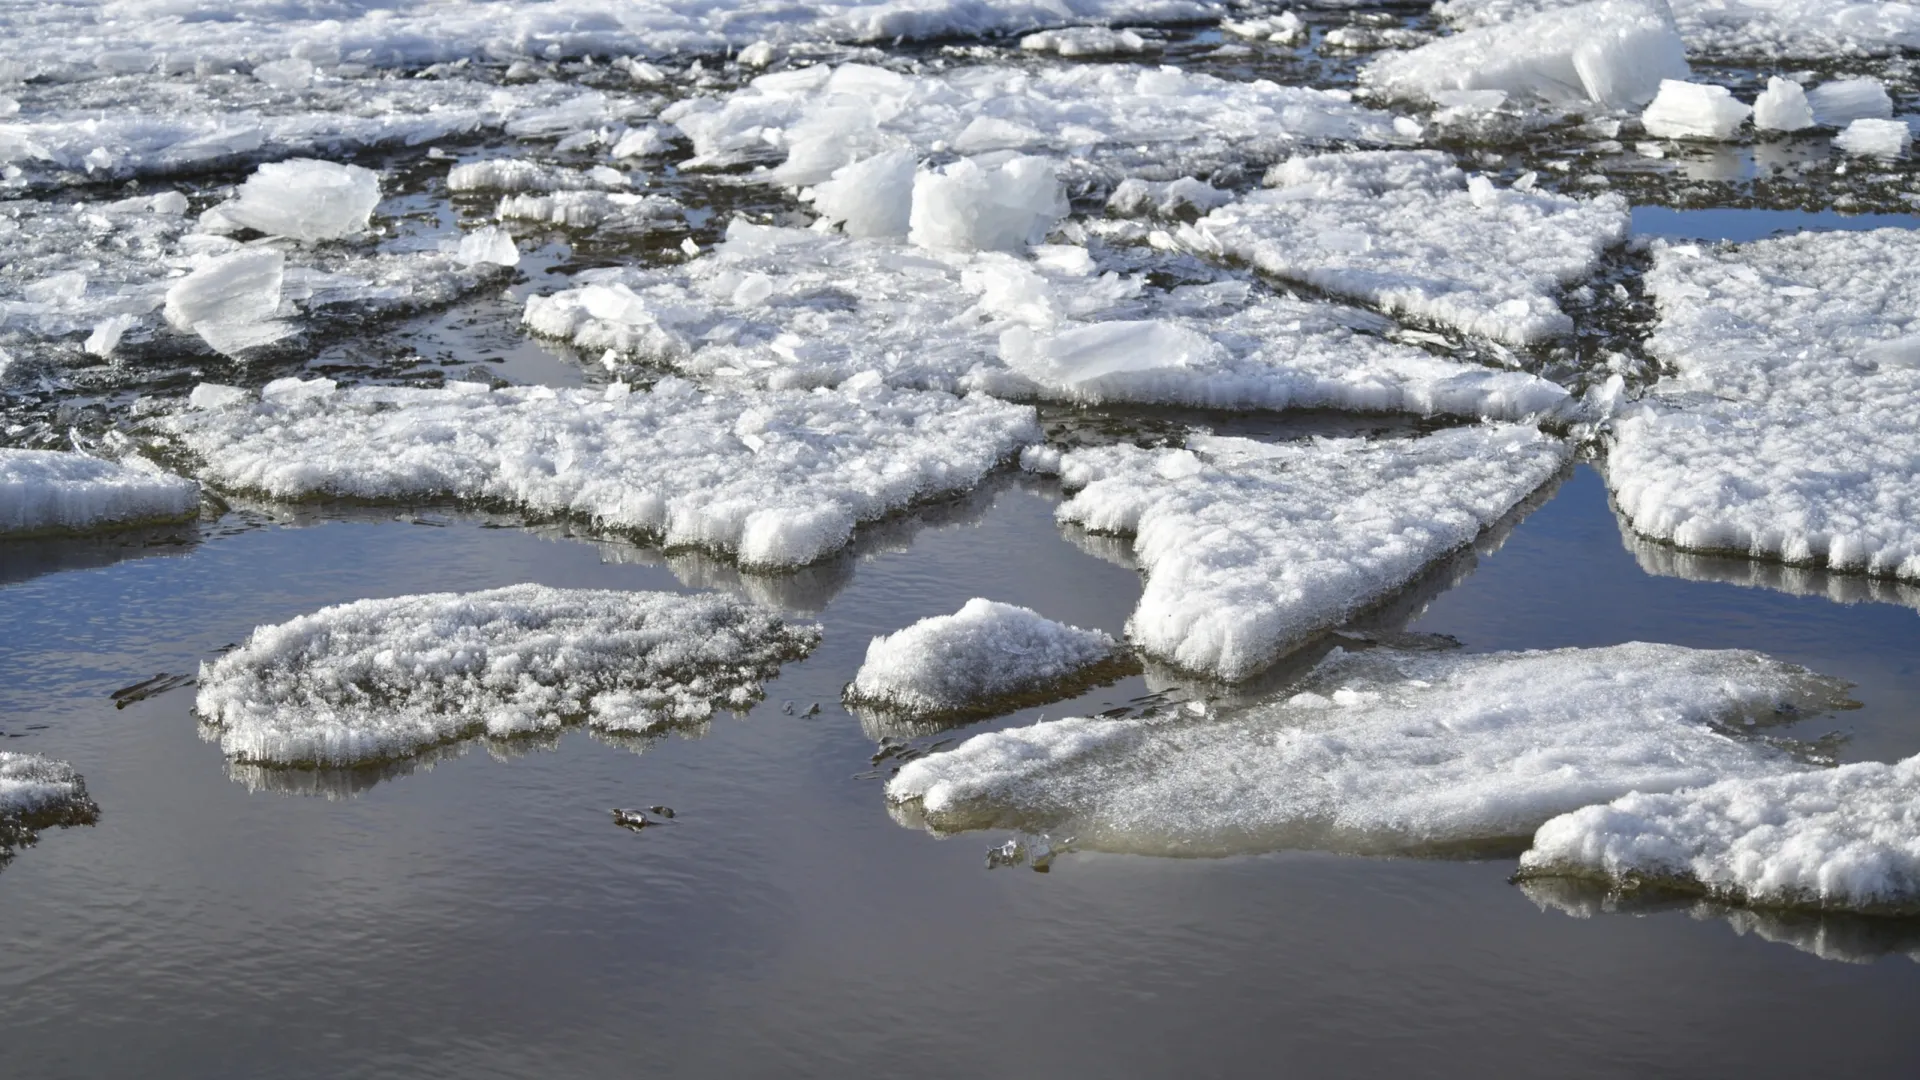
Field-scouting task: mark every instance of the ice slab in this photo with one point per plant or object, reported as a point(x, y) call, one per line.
point(1251, 548)
point(39, 793)
point(1842, 101)
point(1102, 121)
point(1844, 839)
point(793, 307)
point(983, 652)
point(50, 491)
point(775, 479)
point(1409, 232)
point(1610, 53)
point(1686, 110)
point(304, 199)
point(382, 679)
point(1807, 29)
point(1786, 430)
point(1379, 751)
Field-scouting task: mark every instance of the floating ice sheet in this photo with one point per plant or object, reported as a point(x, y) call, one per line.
point(1845, 839)
point(984, 651)
point(1810, 29)
point(1379, 751)
point(1787, 430)
point(383, 679)
point(51, 491)
point(793, 307)
point(1411, 233)
point(39, 793)
point(774, 479)
point(1250, 548)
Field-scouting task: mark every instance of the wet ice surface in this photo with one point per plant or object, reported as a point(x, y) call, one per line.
point(781, 903)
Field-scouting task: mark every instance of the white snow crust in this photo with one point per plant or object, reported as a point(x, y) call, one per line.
point(986, 650)
point(1379, 751)
point(1612, 53)
point(792, 307)
point(1250, 548)
point(383, 679)
point(1787, 430)
point(1409, 232)
point(1830, 839)
point(774, 479)
point(1810, 29)
point(36, 792)
point(53, 491)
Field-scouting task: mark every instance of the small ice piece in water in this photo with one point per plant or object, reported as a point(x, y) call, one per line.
point(52, 491)
point(1250, 548)
point(383, 679)
point(1782, 106)
point(642, 142)
point(757, 55)
point(39, 793)
point(1685, 110)
point(293, 73)
point(1085, 41)
point(488, 244)
point(1875, 138)
point(983, 652)
point(108, 332)
point(306, 200)
point(1845, 839)
point(1380, 751)
point(969, 207)
point(231, 301)
point(515, 175)
point(1285, 28)
point(1839, 103)
point(872, 197)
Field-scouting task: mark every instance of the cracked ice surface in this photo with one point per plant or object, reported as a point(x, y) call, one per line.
point(52, 491)
point(1787, 431)
point(775, 479)
point(1409, 232)
point(382, 679)
point(1379, 751)
point(1845, 839)
point(793, 307)
point(1250, 548)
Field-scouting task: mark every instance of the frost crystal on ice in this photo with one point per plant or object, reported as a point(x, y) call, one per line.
point(1410, 233)
point(1379, 751)
point(984, 651)
point(39, 793)
point(383, 679)
point(50, 491)
point(1250, 548)
point(774, 479)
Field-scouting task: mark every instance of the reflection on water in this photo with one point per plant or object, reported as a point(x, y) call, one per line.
point(21, 560)
point(1665, 560)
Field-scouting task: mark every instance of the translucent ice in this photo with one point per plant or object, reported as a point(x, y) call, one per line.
point(1875, 138)
point(1379, 751)
point(1841, 102)
point(306, 200)
point(984, 651)
point(1685, 110)
point(233, 301)
point(488, 244)
point(49, 491)
point(383, 679)
point(1004, 207)
point(1782, 106)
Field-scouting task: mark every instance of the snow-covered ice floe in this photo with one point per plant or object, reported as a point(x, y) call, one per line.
point(45, 492)
point(1410, 233)
point(983, 653)
point(1808, 29)
point(382, 679)
point(774, 479)
point(38, 793)
point(1380, 751)
point(1250, 548)
point(1607, 53)
point(1843, 839)
point(1787, 430)
point(793, 307)
point(1103, 121)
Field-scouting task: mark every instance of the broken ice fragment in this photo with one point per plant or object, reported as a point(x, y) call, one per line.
point(489, 244)
point(231, 300)
point(983, 652)
point(1782, 106)
point(1875, 138)
point(307, 200)
point(969, 207)
point(1685, 110)
point(1841, 102)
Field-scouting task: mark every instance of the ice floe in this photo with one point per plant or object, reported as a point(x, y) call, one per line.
point(1751, 28)
point(1607, 53)
point(984, 652)
point(1380, 751)
point(304, 199)
point(1411, 233)
point(52, 491)
point(1786, 431)
point(1103, 121)
point(793, 307)
point(1845, 839)
point(774, 479)
point(39, 793)
point(1250, 548)
point(381, 679)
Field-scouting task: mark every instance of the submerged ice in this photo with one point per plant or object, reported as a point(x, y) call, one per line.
point(381, 679)
point(984, 651)
point(1380, 751)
